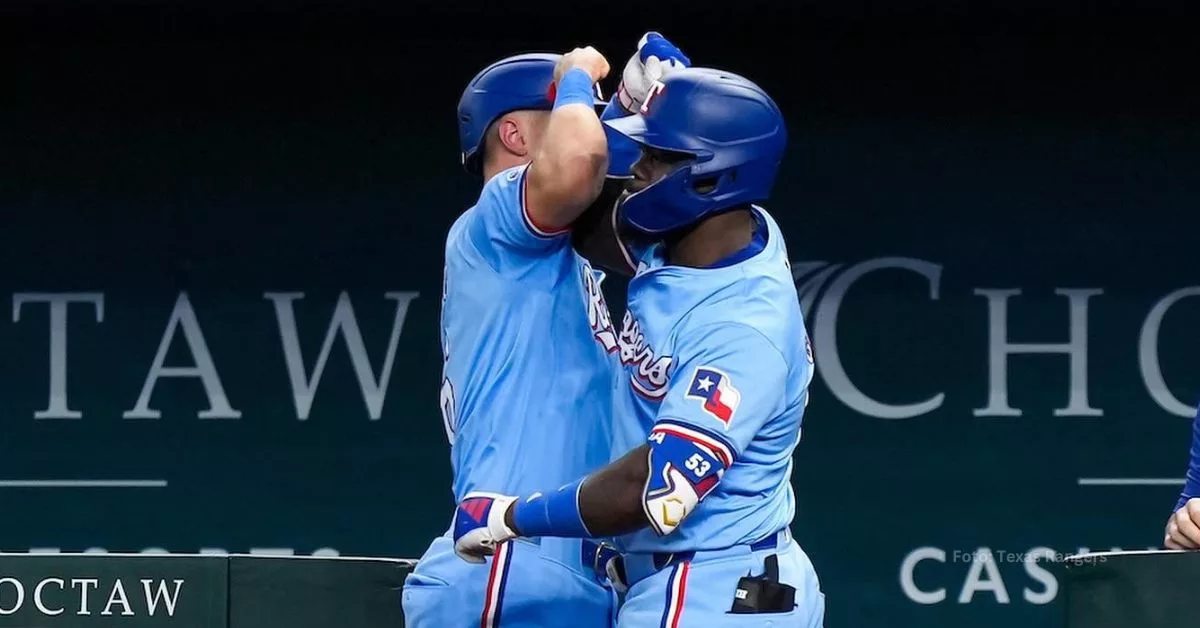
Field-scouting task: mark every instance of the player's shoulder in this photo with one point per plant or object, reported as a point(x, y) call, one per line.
point(762, 320)
point(766, 217)
point(768, 294)
point(776, 250)
point(502, 190)
point(456, 237)
point(507, 179)
point(501, 193)
point(709, 331)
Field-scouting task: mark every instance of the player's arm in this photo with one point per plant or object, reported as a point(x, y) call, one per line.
point(718, 400)
point(596, 234)
point(1183, 528)
point(569, 165)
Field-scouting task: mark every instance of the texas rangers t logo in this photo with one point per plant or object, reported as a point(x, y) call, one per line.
point(716, 390)
point(655, 89)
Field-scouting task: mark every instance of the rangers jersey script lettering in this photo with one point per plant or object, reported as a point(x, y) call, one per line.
point(649, 374)
point(598, 315)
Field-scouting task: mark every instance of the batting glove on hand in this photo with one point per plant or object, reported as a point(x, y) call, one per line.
point(655, 59)
point(479, 525)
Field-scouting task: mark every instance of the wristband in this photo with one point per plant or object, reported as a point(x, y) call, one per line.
point(556, 514)
point(574, 88)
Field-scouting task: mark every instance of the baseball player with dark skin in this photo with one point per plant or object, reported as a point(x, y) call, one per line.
point(717, 368)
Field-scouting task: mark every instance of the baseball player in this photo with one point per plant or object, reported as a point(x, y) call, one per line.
point(717, 368)
point(527, 341)
point(529, 346)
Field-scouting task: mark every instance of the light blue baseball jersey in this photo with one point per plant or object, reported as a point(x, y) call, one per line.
point(529, 348)
point(719, 356)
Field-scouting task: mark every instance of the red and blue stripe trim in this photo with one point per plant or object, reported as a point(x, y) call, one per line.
point(530, 223)
point(676, 594)
point(497, 581)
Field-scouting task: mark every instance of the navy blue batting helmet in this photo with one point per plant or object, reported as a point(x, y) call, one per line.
point(516, 83)
point(733, 133)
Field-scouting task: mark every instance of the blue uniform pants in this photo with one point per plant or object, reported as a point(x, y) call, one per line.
point(697, 589)
point(527, 584)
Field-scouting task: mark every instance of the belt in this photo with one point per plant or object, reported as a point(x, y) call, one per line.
point(641, 565)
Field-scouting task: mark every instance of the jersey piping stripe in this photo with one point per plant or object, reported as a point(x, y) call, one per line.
point(497, 581)
point(530, 223)
point(676, 593)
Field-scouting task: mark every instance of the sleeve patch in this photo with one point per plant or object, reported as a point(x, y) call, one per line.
point(715, 389)
point(682, 472)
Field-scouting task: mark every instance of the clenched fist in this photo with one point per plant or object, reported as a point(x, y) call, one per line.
point(1183, 529)
point(479, 525)
point(587, 59)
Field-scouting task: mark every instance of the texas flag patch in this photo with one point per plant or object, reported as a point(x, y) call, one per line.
point(716, 390)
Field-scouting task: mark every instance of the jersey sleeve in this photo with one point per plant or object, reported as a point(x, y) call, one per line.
point(1191, 487)
point(730, 382)
point(500, 226)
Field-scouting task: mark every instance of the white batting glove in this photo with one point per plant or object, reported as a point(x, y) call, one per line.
point(479, 525)
point(655, 59)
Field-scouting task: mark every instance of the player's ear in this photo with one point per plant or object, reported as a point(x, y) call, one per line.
point(511, 135)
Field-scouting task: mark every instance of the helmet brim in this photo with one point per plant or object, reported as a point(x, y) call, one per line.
point(634, 127)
